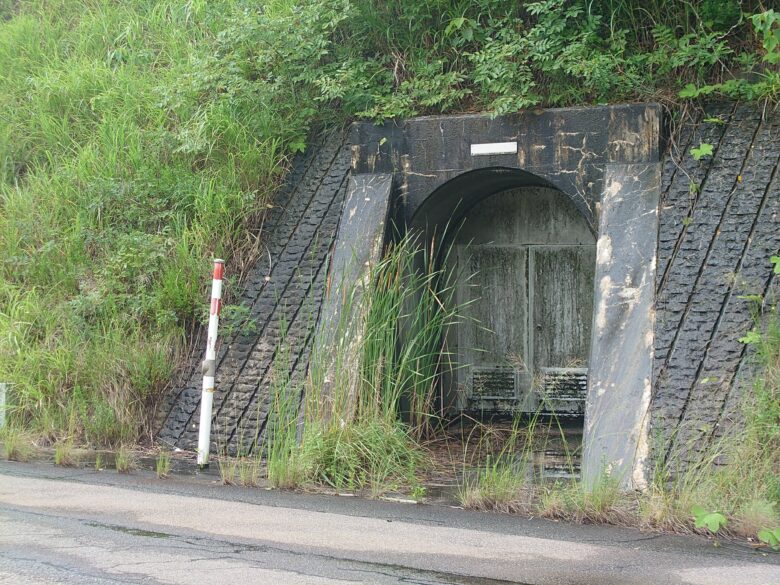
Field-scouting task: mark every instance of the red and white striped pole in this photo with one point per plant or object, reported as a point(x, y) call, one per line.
point(209, 366)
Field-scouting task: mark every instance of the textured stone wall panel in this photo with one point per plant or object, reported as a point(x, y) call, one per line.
point(283, 292)
point(714, 250)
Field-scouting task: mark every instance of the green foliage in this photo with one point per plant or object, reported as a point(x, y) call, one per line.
point(63, 454)
point(770, 537)
point(162, 464)
point(767, 25)
point(704, 149)
point(375, 454)
point(119, 178)
point(712, 521)
point(124, 460)
point(602, 502)
point(766, 84)
point(498, 482)
point(721, 14)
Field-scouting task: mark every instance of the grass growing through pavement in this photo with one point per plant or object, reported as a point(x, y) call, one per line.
point(497, 470)
point(124, 459)
point(64, 455)
point(162, 464)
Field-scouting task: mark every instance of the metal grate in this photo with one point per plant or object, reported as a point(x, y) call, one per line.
point(493, 382)
point(563, 390)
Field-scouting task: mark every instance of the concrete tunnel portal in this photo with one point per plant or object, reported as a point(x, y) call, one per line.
point(556, 211)
point(525, 256)
point(664, 352)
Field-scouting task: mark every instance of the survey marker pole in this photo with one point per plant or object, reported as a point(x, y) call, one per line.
point(209, 366)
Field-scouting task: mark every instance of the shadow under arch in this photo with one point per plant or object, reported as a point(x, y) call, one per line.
point(457, 214)
point(450, 203)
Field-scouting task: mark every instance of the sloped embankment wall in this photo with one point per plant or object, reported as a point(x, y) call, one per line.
point(283, 292)
point(719, 222)
point(719, 225)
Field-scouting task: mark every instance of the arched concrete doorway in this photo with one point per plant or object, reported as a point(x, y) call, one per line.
point(526, 257)
point(426, 172)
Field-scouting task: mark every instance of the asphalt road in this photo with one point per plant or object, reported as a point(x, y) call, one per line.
point(84, 527)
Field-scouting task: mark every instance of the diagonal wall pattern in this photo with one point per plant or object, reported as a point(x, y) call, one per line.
point(719, 225)
point(283, 292)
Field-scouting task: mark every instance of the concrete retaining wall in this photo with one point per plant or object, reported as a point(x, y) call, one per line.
point(718, 224)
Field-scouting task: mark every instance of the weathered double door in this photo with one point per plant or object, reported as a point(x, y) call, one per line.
point(528, 261)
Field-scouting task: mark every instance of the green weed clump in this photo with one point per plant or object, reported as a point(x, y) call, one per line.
point(602, 503)
point(124, 459)
point(162, 464)
point(369, 395)
point(64, 455)
point(17, 444)
point(500, 482)
point(373, 454)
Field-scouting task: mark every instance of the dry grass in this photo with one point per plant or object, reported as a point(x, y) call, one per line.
point(64, 454)
point(228, 469)
point(17, 444)
point(604, 503)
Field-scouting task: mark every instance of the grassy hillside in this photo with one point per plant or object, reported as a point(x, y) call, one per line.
point(139, 138)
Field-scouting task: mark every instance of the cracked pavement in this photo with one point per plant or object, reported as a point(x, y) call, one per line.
point(71, 526)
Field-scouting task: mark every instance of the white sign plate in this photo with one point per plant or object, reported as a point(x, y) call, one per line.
point(494, 148)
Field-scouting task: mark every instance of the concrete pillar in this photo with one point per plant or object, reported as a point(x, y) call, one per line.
point(616, 438)
point(358, 246)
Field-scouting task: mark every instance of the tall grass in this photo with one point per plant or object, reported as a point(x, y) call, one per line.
point(370, 392)
point(740, 474)
point(505, 471)
point(119, 179)
point(500, 482)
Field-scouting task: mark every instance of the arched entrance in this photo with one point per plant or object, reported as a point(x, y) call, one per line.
point(525, 256)
point(429, 172)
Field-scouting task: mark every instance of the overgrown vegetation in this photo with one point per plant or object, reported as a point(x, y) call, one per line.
point(746, 490)
point(17, 445)
point(375, 366)
point(138, 139)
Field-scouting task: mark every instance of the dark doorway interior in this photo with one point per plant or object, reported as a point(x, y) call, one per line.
point(527, 257)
